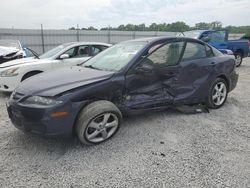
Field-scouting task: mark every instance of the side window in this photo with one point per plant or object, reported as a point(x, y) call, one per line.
point(194, 51)
point(217, 36)
point(209, 51)
point(71, 52)
point(167, 55)
point(97, 49)
point(83, 51)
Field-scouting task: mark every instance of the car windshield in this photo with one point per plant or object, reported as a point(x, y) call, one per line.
point(53, 52)
point(116, 57)
point(192, 34)
point(10, 43)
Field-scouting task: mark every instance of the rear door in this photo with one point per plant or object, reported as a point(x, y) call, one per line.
point(196, 67)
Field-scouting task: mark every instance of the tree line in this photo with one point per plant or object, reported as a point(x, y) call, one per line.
point(172, 27)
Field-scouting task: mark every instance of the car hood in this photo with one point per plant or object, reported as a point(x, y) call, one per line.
point(23, 61)
point(52, 83)
point(7, 50)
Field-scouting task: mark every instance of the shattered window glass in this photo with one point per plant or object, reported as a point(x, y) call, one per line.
point(166, 55)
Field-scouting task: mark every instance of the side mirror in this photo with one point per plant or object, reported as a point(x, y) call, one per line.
point(205, 39)
point(144, 68)
point(64, 56)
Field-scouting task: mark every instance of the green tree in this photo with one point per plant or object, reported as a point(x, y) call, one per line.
point(177, 27)
point(173, 27)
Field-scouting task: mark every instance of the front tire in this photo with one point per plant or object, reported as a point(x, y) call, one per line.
point(98, 122)
point(217, 94)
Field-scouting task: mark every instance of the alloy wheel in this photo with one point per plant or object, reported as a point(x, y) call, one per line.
point(102, 127)
point(219, 93)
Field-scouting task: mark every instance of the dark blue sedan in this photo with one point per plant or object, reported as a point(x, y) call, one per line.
point(131, 77)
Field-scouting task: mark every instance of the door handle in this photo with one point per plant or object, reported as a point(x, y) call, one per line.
point(171, 74)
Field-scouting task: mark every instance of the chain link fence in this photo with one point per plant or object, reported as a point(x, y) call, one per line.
point(41, 40)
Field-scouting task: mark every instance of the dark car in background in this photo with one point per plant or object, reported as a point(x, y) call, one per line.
point(219, 40)
point(129, 78)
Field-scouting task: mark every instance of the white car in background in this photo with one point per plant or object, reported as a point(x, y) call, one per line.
point(12, 49)
point(68, 54)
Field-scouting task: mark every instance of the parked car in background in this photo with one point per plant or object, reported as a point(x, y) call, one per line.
point(129, 78)
point(12, 49)
point(219, 40)
point(68, 54)
point(247, 37)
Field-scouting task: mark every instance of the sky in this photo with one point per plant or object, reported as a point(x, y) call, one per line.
point(63, 14)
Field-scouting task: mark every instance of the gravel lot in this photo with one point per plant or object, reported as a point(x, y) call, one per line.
point(165, 149)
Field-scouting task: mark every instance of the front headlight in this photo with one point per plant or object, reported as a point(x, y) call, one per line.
point(45, 101)
point(9, 72)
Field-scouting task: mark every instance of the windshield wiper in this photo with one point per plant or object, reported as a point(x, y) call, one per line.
point(34, 53)
point(91, 67)
point(79, 64)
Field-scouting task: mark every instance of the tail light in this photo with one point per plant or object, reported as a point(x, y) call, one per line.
point(249, 43)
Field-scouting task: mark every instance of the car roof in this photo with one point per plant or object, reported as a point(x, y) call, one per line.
point(86, 43)
point(155, 39)
point(151, 39)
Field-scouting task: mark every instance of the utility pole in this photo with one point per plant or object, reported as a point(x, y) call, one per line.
point(134, 35)
point(77, 33)
point(42, 36)
point(109, 35)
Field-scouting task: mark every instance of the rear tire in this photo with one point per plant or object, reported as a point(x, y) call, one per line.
point(98, 122)
point(217, 94)
point(238, 59)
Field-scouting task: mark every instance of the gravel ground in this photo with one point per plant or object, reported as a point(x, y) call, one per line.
point(165, 149)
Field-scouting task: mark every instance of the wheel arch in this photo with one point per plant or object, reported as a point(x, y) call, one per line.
point(31, 72)
point(239, 50)
point(226, 79)
point(84, 105)
point(82, 114)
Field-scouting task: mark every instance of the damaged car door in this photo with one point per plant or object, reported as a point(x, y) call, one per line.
point(150, 84)
point(196, 68)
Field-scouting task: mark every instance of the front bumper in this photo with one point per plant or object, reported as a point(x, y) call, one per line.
point(8, 84)
point(37, 119)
